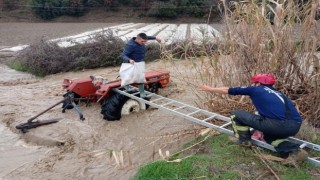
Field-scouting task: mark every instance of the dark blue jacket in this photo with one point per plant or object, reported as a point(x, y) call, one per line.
point(134, 51)
point(269, 102)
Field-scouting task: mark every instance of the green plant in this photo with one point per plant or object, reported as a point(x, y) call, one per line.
point(15, 64)
point(194, 11)
point(214, 157)
point(49, 9)
point(163, 10)
point(8, 5)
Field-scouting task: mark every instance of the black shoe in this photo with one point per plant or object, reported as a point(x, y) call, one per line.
point(235, 140)
point(296, 157)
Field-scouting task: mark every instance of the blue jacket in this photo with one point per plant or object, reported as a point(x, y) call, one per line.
point(269, 102)
point(134, 51)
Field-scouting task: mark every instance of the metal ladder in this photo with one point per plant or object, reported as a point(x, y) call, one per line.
point(206, 118)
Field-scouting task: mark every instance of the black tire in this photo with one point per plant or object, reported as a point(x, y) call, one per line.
point(111, 107)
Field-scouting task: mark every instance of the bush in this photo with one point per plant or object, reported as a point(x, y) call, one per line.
point(49, 9)
point(153, 52)
point(194, 11)
point(196, 8)
point(45, 57)
point(163, 10)
point(111, 5)
point(42, 58)
point(9, 5)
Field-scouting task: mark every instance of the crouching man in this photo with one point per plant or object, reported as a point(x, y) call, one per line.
point(277, 116)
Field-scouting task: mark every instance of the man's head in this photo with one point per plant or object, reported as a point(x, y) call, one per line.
point(264, 79)
point(141, 38)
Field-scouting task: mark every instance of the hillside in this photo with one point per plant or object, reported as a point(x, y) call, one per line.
point(21, 11)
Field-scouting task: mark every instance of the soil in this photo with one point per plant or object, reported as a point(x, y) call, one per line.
point(75, 149)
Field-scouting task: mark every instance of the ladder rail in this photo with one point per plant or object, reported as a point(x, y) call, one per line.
point(218, 116)
point(212, 115)
point(158, 97)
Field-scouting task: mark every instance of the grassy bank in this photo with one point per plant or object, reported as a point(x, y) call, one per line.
point(217, 158)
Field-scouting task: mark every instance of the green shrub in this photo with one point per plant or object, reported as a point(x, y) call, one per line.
point(16, 64)
point(9, 5)
point(111, 5)
point(49, 9)
point(194, 11)
point(163, 10)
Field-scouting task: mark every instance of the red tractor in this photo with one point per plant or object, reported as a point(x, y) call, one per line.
point(113, 104)
point(96, 89)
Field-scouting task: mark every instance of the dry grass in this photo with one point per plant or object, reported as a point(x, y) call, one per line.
point(287, 45)
point(287, 48)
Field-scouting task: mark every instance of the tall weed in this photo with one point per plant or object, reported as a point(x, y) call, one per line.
point(266, 37)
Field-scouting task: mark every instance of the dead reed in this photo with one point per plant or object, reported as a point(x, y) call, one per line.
point(266, 37)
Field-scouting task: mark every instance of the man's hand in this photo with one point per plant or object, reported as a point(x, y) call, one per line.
point(221, 90)
point(158, 39)
point(204, 88)
point(131, 61)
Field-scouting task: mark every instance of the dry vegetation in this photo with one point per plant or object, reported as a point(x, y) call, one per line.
point(282, 39)
point(286, 45)
point(47, 57)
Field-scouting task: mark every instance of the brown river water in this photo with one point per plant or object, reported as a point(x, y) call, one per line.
point(93, 148)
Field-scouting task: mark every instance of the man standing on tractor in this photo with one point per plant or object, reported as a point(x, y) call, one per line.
point(277, 117)
point(135, 51)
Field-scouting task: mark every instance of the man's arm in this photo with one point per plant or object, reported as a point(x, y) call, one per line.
point(124, 55)
point(154, 38)
point(220, 90)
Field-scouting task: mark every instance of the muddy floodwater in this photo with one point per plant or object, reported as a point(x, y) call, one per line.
point(76, 149)
point(92, 148)
point(38, 154)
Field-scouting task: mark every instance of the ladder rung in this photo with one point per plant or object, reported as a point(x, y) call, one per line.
point(226, 124)
point(303, 145)
point(157, 99)
point(179, 108)
point(167, 103)
point(194, 112)
point(209, 118)
point(135, 93)
point(150, 95)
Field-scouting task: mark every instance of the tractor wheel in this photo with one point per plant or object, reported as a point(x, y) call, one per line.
point(111, 107)
point(130, 106)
